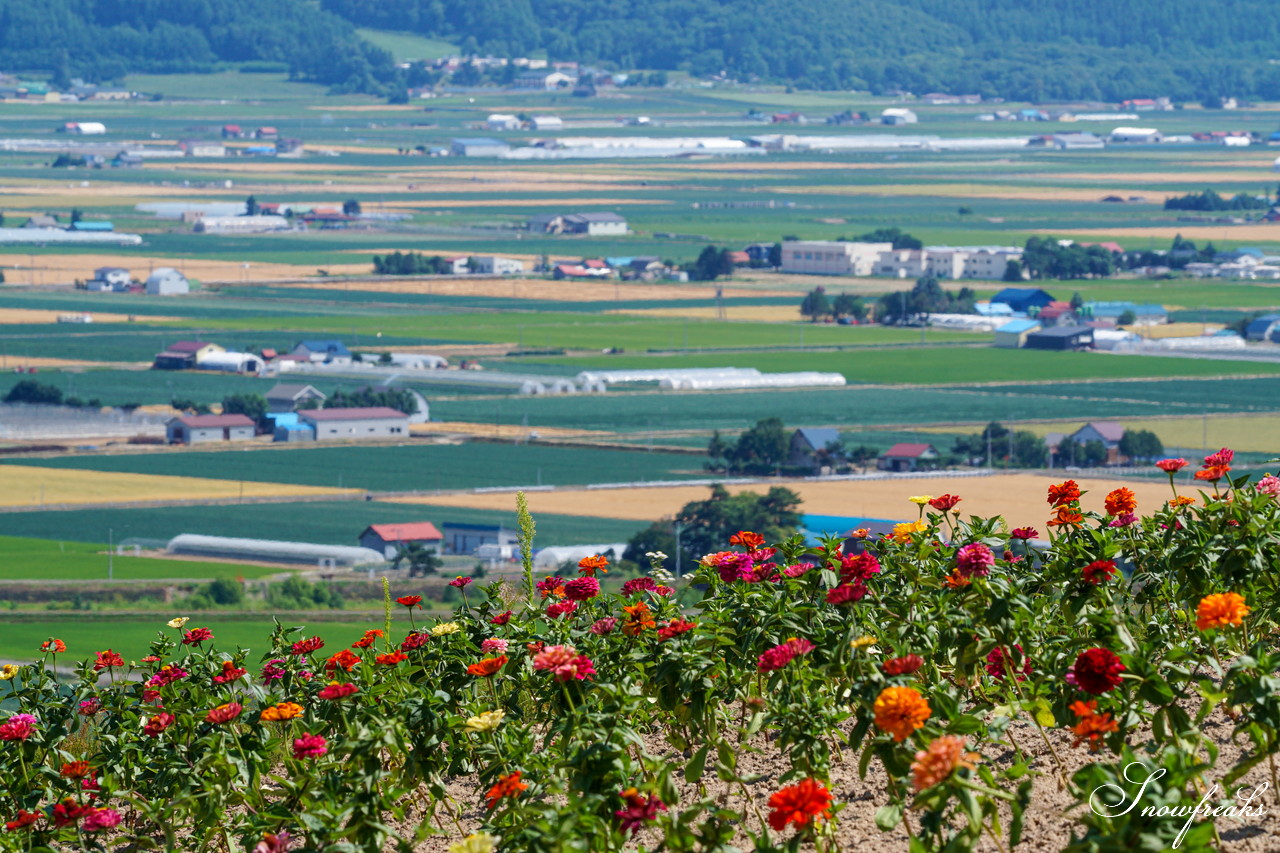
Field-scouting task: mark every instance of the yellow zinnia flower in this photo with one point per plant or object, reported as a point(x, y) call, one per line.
point(479, 842)
point(178, 621)
point(8, 671)
point(486, 722)
point(445, 628)
point(864, 641)
point(920, 500)
point(903, 532)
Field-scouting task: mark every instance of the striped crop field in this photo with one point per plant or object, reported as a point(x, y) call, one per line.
point(31, 486)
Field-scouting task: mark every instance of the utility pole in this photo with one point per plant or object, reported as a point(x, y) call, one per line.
point(678, 530)
point(111, 554)
point(988, 447)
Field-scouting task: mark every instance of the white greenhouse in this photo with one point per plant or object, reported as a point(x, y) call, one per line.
point(803, 379)
point(554, 557)
point(231, 362)
point(273, 551)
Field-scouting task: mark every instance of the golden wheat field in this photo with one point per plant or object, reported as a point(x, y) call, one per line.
point(22, 485)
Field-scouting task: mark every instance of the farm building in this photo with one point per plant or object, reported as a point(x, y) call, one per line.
point(502, 121)
point(479, 147)
point(272, 550)
point(1023, 299)
point(166, 281)
point(200, 429)
point(467, 538)
point(183, 355)
point(231, 362)
point(1263, 328)
point(356, 423)
point(494, 265)
point(418, 361)
point(808, 445)
point(829, 257)
point(1135, 136)
point(1056, 313)
point(386, 539)
point(202, 148)
point(898, 115)
point(546, 123)
point(590, 224)
point(553, 558)
point(1144, 315)
point(328, 352)
point(1108, 433)
point(1013, 334)
point(284, 397)
point(110, 278)
point(906, 456)
point(85, 128)
point(1061, 338)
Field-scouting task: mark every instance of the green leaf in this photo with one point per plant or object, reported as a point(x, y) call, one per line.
point(887, 817)
point(693, 770)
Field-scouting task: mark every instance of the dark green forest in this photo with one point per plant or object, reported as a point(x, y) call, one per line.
point(1054, 49)
point(102, 40)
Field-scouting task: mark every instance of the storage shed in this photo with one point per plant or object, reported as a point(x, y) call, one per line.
point(1061, 338)
point(201, 429)
point(356, 423)
point(1013, 334)
point(166, 281)
point(387, 538)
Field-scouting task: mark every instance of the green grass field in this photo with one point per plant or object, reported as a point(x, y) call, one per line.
point(403, 468)
point(32, 559)
point(407, 47)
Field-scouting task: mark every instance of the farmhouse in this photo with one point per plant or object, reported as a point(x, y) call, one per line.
point(1061, 338)
point(110, 278)
point(808, 446)
point(166, 281)
point(494, 265)
point(183, 355)
point(590, 224)
point(386, 539)
point(354, 424)
point(1013, 334)
point(479, 147)
point(284, 397)
point(468, 538)
point(1107, 432)
point(1056, 313)
point(1264, 328)
point(826, 257)
point(327, 352)
point(502, 121)
point(201, 429)
point(906, 456)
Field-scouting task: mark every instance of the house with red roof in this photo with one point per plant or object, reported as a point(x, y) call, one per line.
point(201, 429)
point(356, 424)
point(387, 539)
point(906, 456)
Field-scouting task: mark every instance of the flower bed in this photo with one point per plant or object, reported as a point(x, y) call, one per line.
point(962, 669)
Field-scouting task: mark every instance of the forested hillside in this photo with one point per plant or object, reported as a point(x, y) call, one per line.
point(105, 39)
point(1109, 49)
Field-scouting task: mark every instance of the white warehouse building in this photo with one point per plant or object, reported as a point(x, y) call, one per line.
point(829, 257)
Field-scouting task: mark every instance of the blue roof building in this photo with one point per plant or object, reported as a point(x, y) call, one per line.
point(1023, 299)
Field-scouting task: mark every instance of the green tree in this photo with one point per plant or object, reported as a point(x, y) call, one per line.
point(707, 267)
point(251, 206)
point(351, 207)
point(30, 391)
point(418, 558)
point(1012, 271)
point(706, 526)
point(250, 405)
point(659, 536)
point(816, 305)
point(1140, 445)
point(1126, 318)
point(848, 305)
point(763, 449)
point(1077, 301)
point(775, 252)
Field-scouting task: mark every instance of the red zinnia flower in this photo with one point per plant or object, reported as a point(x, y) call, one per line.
point(1172, 466)
point(996, 667)
point(338, 691)
point(562, 608)
point(230, 672)
point(460, 581)
point(370, 637)
point(487, 667)
point(582, 589)
point(945, 503)
point(501, 618)
point(674, 627)
point(107, 660)
point(196, 635)
point(858, 567)
point(1098, 572)
point(1062, 494)
point(638, 585)
point(224, 713)
point(343, 659)
point(747, 539)
point(1024, 533)
point(415, 640)
point(1213, 473)
point(53, 645)
point(902, 666)
point(309, 746)
point(68, 812)
point(409, 600)
point(1222, 457)
point(802, 804)
point(74, 769)
point(158, 723)
point(781, 655)
point(1096, 671)
point(639, 810)
point(306, 647)
point(506, 786)
point(847, 593)
point(23, 820)
point(390, 658)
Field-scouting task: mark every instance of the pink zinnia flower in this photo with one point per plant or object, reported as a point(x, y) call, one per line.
point(1024, 533)
point(781, 655)
point(975, 560)
point(636, 585)
point(996, 664)
point(1222, 457)
point(89, 707)
point(846, 593)
point(562, 608)
point(582, 589)
point(604, 626)
point(310, 746)
point(18, 727)
point(797, 570)
point(459, 581)
point(100, 819)
point(494, 644)
point(1269, 485)
point(273, 671)
point(196, 635)
point(564, 663)
point(729, 565)
point(1172, 466)
point(1123, 520)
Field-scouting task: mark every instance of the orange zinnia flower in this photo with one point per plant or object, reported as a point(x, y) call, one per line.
point(590, 565)
point(1062, 494)
point(747, 539)
point(936, 763)
point(343, 659)
point(956, 580)
point(390, 658)
point(1065, 516)
point(1092, 725)
point(487, 667)
point(1120, 501)
point(1181, 501)
point(75, 769)
point(1213, 473)
point(900, 711)
point(281, 712)
point(639, 618)
point(506, 786)
point(803, 804)
point(1221, 610)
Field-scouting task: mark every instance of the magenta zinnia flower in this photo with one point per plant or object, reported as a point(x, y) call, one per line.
point(310, 746)
point(634, 585)
point(581, 589)
point(640, 810)
point(975, 560)
point(604, 626)
point(564, 663)
point(18, 727)
point(100, 819)
point(779, 656)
